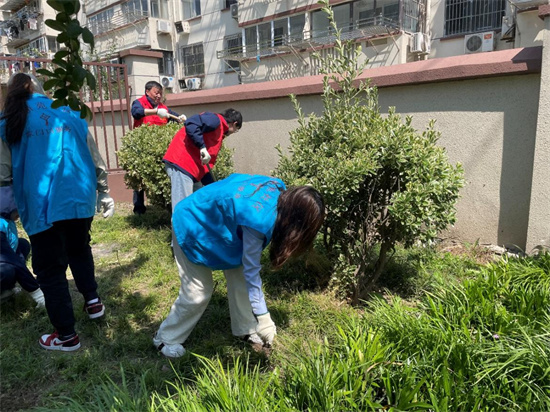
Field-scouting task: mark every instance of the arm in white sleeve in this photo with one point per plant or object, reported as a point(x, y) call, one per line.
point(253, 242)
point(99, 163)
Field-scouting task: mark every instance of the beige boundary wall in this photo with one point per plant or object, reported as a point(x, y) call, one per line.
point(486, 107)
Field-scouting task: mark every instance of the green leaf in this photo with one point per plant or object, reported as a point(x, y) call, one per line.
point(62, 38)
point(56, 5)
point(70, 6)
point(74, 103)
point(73, 29)
point(51, 83)
point(60, 94)
point(54, 24)
point(63, 18)
point(58, 103)
point(88, 37)
point(79, 74)
point(45, 72)
point(61, 54)
point(90, 79)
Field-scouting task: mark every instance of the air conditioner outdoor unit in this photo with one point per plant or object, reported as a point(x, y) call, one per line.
point(183, 27)
point(235, 11)
point(193, 83)
point(480, 42)
point(167, 82)
point(420, 43)
point(164, 26)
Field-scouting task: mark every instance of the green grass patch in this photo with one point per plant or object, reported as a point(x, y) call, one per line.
point(442, 333)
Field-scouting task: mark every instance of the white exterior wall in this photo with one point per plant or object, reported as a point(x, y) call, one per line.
point(210, 29)
point(488, 125)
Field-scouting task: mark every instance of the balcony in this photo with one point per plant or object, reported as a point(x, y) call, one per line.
point(313, 39)
point(17, 27)
point(118, 20)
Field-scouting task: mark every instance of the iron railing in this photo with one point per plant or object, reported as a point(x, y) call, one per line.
point(373, 26)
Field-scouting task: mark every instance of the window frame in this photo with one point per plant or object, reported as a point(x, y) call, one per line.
point(199, 66)
point(468, 16)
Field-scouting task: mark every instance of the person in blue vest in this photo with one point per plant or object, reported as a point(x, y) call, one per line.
point(54, 181)
point(14, 252)
point(149, 109)
point(225, 226)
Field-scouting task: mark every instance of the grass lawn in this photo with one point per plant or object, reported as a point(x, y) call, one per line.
point(445, 334)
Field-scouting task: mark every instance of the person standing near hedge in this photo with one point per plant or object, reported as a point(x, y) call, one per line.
point(46, 158)
point(225, 226)
point(195, 148)
point(149, 109)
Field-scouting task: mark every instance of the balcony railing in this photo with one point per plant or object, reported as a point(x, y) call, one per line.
point(370, 27)
point(118, 20)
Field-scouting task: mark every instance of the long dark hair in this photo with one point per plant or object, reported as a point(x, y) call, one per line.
point(300, 215)
point(15, 108)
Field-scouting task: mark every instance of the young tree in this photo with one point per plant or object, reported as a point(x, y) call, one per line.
point(70, 76)
point(384, 183)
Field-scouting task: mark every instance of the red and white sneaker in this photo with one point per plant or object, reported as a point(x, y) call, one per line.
point(94, 310)
point(62, 343)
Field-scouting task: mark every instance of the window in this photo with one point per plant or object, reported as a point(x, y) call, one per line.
point(470, 16)
point(159, 9)
point(166, 63)
point(35, 48)
point(101, 22)
point(251, 41)
point(192, 58)
point(297, 26)
point(228, 3)
point(234, 45)
point(135, 7)
point(190, 8)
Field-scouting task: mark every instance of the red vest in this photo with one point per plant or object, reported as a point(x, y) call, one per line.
point(153, 119)
point(183, 153)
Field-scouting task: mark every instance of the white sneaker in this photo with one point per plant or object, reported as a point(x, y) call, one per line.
point(170, 351)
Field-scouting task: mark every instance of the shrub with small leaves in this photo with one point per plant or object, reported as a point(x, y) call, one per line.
point(141, 157)
point(383, 182)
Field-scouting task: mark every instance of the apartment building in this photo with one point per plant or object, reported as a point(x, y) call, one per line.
point(189, 45)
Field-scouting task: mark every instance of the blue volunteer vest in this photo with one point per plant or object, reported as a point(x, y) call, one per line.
point(53, 172)
point(207, 223)
point(8, 227)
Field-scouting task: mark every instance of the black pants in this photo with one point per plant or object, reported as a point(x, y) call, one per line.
point(67, 243)
point(139, 202)
point(12, 265)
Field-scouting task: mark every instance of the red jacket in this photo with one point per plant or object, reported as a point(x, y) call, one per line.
point(183, 152)
point(153, 119)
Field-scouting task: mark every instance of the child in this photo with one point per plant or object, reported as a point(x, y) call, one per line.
point(13, 253)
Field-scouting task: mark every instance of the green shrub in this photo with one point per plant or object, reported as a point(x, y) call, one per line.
point(383, 182)
point(141, 157)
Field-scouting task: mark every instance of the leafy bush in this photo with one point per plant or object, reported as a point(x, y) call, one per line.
point(141, 157)
point(383, 182)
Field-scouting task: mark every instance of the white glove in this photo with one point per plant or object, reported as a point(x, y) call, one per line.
point(38, 297)
point(182, 118)
point(106, 204)
point(266, 328)
point(205, 156)
point(162, 113)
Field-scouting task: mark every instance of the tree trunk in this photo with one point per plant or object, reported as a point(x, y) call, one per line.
point(383, 258)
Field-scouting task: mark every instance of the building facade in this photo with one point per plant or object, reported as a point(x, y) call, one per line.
point(189, 45)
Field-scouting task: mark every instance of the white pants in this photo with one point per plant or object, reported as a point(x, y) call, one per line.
point(196, 290)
